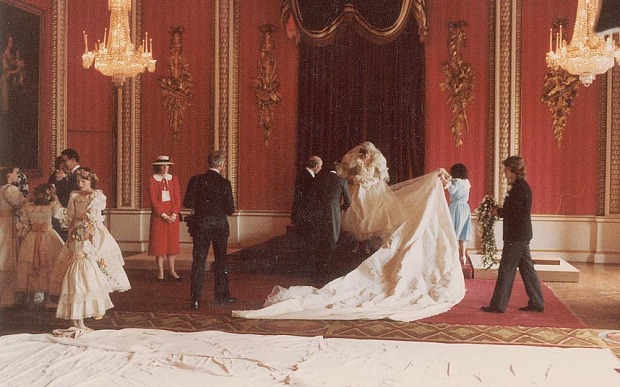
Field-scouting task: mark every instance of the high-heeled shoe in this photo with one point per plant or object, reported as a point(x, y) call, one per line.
point(175, 277)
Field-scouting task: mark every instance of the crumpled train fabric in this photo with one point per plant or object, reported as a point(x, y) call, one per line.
point(415, 274)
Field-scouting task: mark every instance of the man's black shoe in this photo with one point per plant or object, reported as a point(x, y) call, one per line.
point(530, 308)
point(490, 309)
point(195, 305)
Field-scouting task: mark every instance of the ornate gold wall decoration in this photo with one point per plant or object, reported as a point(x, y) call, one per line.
point(459, 80)
point(176, 89)
point(560, 90)
point(266, 84)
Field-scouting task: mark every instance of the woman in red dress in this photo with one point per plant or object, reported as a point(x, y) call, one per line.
point(165, 206)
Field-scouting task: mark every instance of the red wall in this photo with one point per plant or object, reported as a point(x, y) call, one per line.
point(440, 148)
point(91, 114)
point(267, 171)
point(563, 179)
point(189, 151)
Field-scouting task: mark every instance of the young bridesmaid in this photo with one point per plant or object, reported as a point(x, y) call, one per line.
point(11, 201)
point(40, 246)
point(95, 263)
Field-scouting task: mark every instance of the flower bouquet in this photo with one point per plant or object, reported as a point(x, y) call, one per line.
point(83, 231)
point(103, 266)
point(486, 222)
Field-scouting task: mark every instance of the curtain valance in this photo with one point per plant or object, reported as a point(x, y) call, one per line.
point(320, 22)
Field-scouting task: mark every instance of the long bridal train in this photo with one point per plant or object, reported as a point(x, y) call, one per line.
point(415, 274)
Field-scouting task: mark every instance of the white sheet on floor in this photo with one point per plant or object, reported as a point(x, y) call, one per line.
point(415, 274)
point(139, 357)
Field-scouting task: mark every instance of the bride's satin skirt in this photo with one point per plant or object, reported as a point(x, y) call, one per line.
point(375, 212)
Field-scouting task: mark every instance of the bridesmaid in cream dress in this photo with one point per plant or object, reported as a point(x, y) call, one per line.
point(11, 200)
point(41, 244)
point(95, 263)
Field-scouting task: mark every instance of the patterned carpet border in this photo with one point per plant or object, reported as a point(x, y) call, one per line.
point(350, 329)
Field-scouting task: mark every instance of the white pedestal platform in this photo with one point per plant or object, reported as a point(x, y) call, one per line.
point(549, 268)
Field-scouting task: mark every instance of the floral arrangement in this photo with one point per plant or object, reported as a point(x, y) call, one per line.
point(83, 231)
point(486, 222)
point(103, 266)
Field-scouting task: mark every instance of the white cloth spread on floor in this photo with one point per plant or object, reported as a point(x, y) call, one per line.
point(148, 357)
point(415, 274)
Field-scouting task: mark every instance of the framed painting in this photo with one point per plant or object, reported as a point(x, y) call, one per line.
point(20, 41)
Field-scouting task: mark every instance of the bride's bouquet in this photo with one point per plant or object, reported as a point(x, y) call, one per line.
point(486, 222)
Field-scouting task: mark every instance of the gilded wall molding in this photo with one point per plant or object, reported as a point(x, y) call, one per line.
point(516, 79)
point(602, 167)
point(508, 47)
point(611, 126)
point(491, 135)
point(129, 130)
point(504, 98)
point(233, 136)
point(226, 120)
point(59, 79)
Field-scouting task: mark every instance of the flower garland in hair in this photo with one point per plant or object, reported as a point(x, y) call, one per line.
point(486, 222)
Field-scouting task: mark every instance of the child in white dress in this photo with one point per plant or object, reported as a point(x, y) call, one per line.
point(95, 263)
point(40, 246)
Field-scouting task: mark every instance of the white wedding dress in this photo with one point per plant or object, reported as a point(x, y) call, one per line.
point(416, 273)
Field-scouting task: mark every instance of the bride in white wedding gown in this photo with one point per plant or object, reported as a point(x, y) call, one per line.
point(375, 211)
point(416, 273)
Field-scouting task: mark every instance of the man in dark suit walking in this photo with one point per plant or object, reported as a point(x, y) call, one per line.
point(517, 235)
point(210, 198)
point(334, 196)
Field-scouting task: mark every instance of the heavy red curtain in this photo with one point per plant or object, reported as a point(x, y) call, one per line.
point(356, 89)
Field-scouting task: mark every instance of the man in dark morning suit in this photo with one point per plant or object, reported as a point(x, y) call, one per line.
point(334, 195)
point(58, 178)
point(71, 160)
point(517, 235)
point(210, 198)
point(306, 205)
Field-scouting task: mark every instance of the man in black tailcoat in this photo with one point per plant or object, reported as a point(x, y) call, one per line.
point(210, 198)
point(306, 206)
point(334, 196)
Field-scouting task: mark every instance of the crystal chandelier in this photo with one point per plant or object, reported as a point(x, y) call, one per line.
point(587, 54)
point(115, 56)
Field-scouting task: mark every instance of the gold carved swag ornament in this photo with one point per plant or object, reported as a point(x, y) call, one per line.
point(176, 89)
